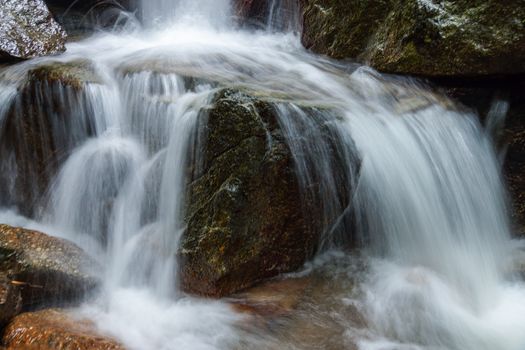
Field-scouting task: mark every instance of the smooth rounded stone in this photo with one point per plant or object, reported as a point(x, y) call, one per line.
point(48, 270)
point(10, 300)
point(28, 29)
point(55, 329)
point(431, 38)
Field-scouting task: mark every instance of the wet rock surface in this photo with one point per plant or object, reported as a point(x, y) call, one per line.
point(28, 29)
point(430, 38)
point(47, 270)
point(57, 330)
point(245, 217)
point(318, 310)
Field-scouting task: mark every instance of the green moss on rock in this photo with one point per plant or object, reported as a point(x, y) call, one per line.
point(422, 37)
point(245, 218)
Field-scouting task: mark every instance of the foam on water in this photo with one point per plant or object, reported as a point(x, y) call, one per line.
point(427, 192)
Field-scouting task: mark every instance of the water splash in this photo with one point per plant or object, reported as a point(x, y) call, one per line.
point(427, 190)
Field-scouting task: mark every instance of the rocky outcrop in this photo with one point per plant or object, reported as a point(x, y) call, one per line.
point(28, 29)
point(47, 270)
point(55, 329)
point(246, 221)
point(420, 37)
point(36, 137)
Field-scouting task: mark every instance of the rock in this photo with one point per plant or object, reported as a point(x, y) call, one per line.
point(10, 300)
point(27, 30)
point(55, 329)
point(245, 217)
point(420, 37)
point(276, 298)
point(49, 270)
point(36, 137)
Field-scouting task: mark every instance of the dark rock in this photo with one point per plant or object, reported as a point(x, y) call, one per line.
point(246, 221)
point(27, 30)
point(279, 15)
point(55, 329)
point(36, 137)
point(48, 270)
point(431, 38)
point(10, 300)
point(81, 18)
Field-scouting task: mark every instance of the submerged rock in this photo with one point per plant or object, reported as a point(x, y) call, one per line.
point(27, 30)
point(246, 221)
point(36, 136)
point(57, 330)
point(431, 38)
point(47, 269)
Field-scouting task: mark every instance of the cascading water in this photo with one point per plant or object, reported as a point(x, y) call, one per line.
point(425, 190)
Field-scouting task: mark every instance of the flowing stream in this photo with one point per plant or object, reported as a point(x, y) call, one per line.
point(435, 271)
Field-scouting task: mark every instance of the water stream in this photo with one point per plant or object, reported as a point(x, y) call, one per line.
point(430, 208)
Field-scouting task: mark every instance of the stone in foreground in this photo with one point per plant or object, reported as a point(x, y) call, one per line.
point(57, 330)
point(48, 270)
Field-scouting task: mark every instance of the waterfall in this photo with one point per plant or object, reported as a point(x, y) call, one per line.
point(416, 175)
point(215, 13)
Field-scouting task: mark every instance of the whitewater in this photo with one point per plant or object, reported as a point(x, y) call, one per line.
point(436, 264)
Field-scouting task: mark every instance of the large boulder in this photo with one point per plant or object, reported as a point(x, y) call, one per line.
point(55, 329)
point(35, 137)
point(247, 217)
point(431, 38)
point(48, 270)
point(28, 29)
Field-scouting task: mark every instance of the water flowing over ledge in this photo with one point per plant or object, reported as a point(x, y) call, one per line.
point(413, 179)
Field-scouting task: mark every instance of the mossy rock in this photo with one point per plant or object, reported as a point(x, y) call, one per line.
point(245, 218)
point(430, 38)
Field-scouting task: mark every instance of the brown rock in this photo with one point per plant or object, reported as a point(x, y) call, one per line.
point(55, 329)
point(47, 269)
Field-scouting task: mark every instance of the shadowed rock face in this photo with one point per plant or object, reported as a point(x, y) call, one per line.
point(27, 30)
point(57, 330)
point(10, 300)
point(49, 270)
point(245, 218)
point(431, 38)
